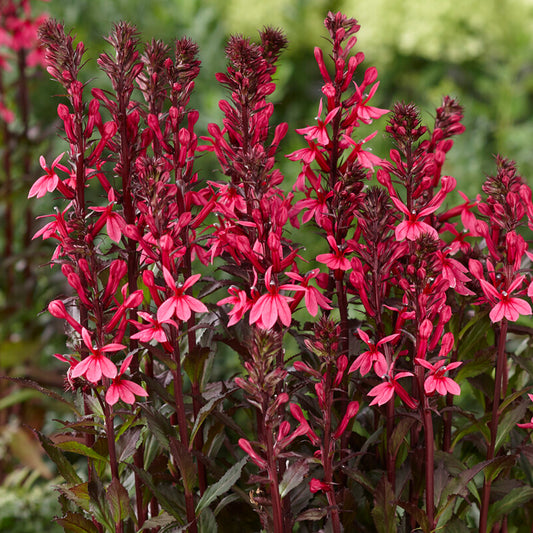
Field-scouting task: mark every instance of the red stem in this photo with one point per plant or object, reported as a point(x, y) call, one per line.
point(500, 366)
point(277, 510)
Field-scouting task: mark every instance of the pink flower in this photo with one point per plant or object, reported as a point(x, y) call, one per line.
point(319, 132)
point(372, 356)
point(271, 306)
point(313, 297)
point(49, 181)
point(113, 221)
point(315, 485)
point(436, 380)
point(365, 158)
point(254, 456)
point(351, 411)
point(241, 304)
point(153, 330)
point(123, 389)
point(335, 260)
point(412, 227)
point(179, 304)
point(305, 428)
point(96, 365)
point(385, 391)
point(506, 306)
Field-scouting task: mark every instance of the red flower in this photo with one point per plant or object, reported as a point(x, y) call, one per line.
point(528, 425)
point(49, 181)
point(509, 307)
point(180, 304)
point(96, 364)
point(319, 132)
point(351, 411)
point(385, 391)
point(123, 389)
point(113, 221)
point(337, 259)
point(153, 330)
point(240, 302)
point(313, 297)
point(271, 306)
point(436, 380)
point(254, 456)
point(372, 356)
point(315, 485)
point(412, 227)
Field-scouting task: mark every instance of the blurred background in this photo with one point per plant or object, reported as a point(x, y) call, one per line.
point(479, 51)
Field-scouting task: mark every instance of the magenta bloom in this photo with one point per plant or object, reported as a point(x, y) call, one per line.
point(315, 485)
point(527, 425)
point(385, 391)
point(49, 181)
point(412, 226)
point(313, 297)
point(96, 364)
point(272, 305)
point(506, 306)
point(436, 380)
point(123, 389)
point(179, 304)
point(335, 260)
point(241, 304)
point(319, 132)
point(372, 356)
point(153, 330)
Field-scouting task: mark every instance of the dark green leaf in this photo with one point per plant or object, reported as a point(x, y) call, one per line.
point(167, 499)
point(203, 414)
point(207, 522)
point(398, 435)
point(28, 383)
point(78, 494)
point(158, 424)
point(77, 523)
point(82, 449)
point(508, 422)
point(293, 476)
point(384, 511)
point(118, 501)
point(221, 486)
point(511, 501)
point(194, 363)
point(66, 470)
point(163, 519)
point(184, 459)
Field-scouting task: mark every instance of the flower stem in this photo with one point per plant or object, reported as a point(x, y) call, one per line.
point(429, 464)
point(500, 368)
point(277, 510)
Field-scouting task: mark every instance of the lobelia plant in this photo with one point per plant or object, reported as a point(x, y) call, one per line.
point(382, 412)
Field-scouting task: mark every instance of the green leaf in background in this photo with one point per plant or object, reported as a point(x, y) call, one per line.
point(293, 476)
point(384, 511)
point(76, 523)
point(221, 486)
point(77, 447)
point(64, 467)
point(118, 500)
point(511, 501)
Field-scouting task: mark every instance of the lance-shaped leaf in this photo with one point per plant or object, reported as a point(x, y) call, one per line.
point(221, 486)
